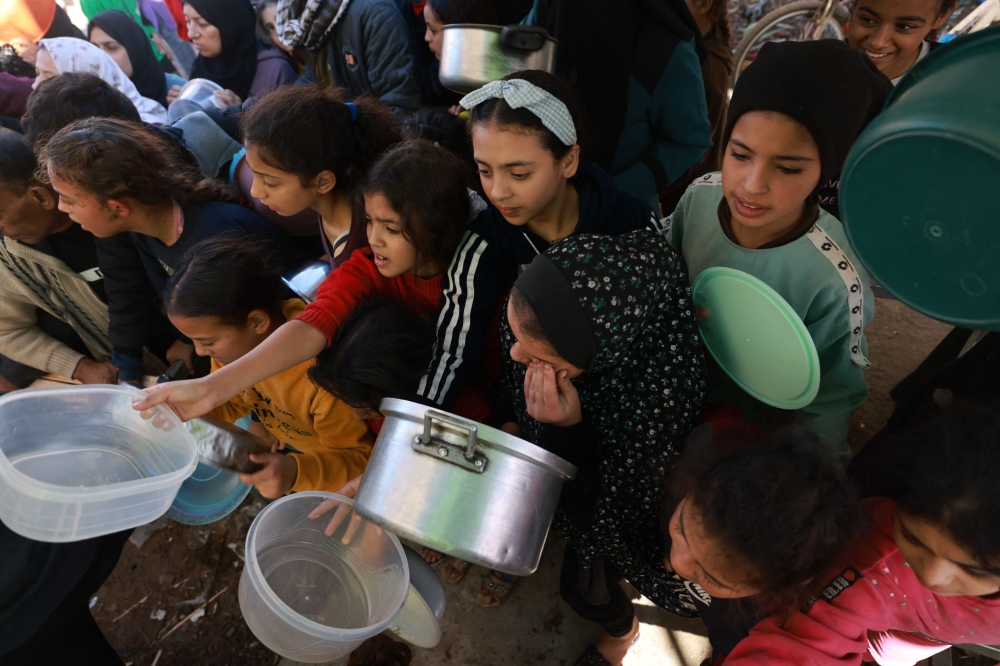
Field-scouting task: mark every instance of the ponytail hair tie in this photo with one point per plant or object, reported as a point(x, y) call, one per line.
point(354, 111)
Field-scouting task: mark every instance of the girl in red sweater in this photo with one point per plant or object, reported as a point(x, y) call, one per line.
point(927, 573)
point(415, 207)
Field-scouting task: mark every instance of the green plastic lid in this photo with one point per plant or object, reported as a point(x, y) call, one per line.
point(757, 338)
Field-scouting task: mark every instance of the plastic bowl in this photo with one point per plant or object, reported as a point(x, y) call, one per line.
point(79, 462)
point(208, 495)
point(200, 92)
point(311, 598)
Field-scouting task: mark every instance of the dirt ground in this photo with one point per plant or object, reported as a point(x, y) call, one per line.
point(166, 575)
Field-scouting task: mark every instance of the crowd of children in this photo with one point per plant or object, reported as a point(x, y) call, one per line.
point(486, 260)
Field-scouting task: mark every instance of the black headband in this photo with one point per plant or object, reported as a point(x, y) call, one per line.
point(558, 309)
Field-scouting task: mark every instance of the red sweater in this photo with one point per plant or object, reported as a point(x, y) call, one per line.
point(871, 587)
point(356, 279)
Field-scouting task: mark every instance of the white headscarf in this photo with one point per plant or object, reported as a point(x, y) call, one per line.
point(76, 55)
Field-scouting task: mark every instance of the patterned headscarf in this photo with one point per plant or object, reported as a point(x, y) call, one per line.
point(640, 399)
point(75, 55)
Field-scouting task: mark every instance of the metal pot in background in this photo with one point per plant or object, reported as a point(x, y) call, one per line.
point(306, 279)
point(473, 55)
point(461, 487)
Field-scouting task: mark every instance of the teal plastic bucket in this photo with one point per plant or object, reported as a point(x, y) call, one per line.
point(918, 193)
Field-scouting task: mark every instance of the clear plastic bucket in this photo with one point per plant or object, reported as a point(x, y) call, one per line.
point(78, 462)
point(310, 597)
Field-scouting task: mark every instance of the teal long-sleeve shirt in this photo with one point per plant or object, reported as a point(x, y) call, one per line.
point(813, 287)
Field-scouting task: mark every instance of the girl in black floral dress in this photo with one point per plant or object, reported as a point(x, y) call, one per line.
point(601, 334)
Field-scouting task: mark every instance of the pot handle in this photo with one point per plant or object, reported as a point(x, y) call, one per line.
point(523, 37)
point(467, 457)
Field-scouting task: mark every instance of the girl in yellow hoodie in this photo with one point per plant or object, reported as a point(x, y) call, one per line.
point(227, 297)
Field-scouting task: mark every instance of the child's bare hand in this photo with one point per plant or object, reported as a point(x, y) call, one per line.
point(277, 477)
point(188, 399)
point(350, 490)
point(550, 396)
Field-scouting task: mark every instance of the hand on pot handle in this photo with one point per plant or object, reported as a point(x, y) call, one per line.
point(350, 489)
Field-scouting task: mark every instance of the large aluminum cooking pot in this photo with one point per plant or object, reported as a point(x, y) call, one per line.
point(472, 55)
point(461, 487)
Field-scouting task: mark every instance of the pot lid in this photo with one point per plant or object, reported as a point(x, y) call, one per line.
point(419, 622)
point(757, 338)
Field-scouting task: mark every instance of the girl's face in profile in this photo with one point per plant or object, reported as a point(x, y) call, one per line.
point(221, 341)
point(85, 209)
point(279, 190)
point(526, 350)
point(519, 175)
point(695, 556)
point(433, 34)
point(940, 564)
point(890, 31)
point(770, 168)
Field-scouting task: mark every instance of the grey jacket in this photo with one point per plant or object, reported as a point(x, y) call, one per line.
point(369, 52)
point(29, 280)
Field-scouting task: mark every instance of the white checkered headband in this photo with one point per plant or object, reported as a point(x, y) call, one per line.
point(518, 94)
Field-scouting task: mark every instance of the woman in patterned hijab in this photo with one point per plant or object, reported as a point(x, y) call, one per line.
point(601, 334)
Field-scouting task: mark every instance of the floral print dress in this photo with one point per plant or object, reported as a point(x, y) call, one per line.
point(639, 402)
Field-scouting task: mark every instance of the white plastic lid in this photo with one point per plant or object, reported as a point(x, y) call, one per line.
point(419, 622)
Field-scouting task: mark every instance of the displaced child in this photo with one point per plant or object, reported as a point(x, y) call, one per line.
point(118, 177)
point(525, 139)
point(897, 34)
point(416, 207)
point(306, 150)
point(926, 574)
point(793, 117)
point(228, 298)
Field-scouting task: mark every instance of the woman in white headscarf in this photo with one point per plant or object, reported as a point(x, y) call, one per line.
point(66, 54)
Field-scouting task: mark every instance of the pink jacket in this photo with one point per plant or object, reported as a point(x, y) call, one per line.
point(872, 587)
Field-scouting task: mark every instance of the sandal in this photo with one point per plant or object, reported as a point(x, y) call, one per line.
point(454, 569)
point(431, 556)
point(495, 590)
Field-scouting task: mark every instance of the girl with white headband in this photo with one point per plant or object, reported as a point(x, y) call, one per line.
point(525, 135)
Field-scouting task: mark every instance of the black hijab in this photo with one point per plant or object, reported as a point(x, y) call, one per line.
point(146, 73)
point(236, 66)
point(832, 89)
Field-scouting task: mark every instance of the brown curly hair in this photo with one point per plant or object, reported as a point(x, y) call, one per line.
point(113, 158)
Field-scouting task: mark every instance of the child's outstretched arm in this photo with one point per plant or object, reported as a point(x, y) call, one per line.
point(294, 342)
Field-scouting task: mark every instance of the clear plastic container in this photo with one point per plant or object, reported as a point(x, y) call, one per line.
point(310, 597)
point(78, 462)
point(200, 92)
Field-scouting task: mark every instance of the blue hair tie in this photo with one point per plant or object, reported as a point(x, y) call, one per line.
point(354, 111)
